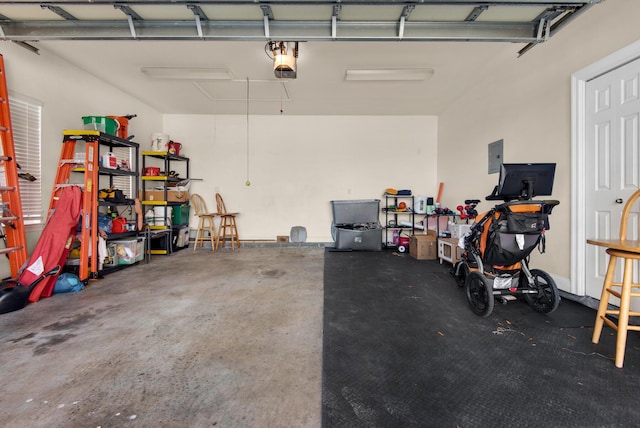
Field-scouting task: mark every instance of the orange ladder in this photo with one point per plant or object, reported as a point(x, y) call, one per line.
point(88, 164)
point(11, 219)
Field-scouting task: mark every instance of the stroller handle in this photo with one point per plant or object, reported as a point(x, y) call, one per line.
point(546, 205)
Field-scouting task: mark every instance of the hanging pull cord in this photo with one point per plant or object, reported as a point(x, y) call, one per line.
point(248, 182)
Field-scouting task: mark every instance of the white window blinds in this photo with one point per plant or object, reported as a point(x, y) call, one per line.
point(124, 183)
point(26, 116)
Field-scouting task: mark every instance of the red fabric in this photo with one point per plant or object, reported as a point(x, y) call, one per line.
point(55, 242)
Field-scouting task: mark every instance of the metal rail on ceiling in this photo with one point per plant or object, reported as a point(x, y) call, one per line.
point(306, 2)
point(65, 24)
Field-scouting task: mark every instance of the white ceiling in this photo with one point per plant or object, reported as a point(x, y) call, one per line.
point(320, 87)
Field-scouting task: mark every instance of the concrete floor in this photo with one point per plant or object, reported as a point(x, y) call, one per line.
point(226, 339)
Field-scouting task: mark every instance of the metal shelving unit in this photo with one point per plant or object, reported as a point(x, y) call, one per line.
point(393, 216)
point(94, 176)
point(165, 233)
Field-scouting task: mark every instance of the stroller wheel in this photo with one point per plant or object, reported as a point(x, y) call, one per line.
point(547, 299)
point(479, 294)
point(460, 272)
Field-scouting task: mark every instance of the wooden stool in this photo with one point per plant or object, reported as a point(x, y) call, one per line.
point(227, 225)
point(625, 293)
point(628, 251)
point(205, 222)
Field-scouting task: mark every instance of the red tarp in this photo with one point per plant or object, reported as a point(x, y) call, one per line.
point(54, 244)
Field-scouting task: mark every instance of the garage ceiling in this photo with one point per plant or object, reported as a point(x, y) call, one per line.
point(114, 40)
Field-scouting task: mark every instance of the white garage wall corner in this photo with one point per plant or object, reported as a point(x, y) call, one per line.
point(298, 164)
point(527, 102)
point(67, 93)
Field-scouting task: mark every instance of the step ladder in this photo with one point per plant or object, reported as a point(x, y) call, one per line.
point(11, 219)
point(88, 164)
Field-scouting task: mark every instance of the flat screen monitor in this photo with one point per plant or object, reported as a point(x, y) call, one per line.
point(525, 180)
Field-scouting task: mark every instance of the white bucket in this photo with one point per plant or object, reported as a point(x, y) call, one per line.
point(159, 219)
point(159, 142)
point(149, 218)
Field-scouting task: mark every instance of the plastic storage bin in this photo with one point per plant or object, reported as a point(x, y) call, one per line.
point(140, 248)
point(356, 211)
point(126, 251)
point(180, 215)
point(101, 123)
point(357, 225)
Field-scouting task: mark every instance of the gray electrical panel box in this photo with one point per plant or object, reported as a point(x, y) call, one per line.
point(495, 156)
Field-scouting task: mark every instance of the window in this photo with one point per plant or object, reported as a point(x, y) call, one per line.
point(26, 124)
point(123, 182)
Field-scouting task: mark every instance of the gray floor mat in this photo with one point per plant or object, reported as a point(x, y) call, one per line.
point(402, 348)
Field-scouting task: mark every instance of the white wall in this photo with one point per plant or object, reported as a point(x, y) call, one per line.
point(298, 164)
point(67, 93)
point(526, 101)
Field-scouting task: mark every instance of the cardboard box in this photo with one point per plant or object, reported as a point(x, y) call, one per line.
point(424, 247)
point(448, 250)
point(172, 195)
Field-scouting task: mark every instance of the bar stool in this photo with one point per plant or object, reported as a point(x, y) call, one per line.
point(227, 225)
point(628, 251)
point(205, 221)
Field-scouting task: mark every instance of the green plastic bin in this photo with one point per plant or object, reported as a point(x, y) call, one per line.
point(180, 215)
point(101, 123)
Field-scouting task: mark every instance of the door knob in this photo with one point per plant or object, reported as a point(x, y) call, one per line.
point(619, 201)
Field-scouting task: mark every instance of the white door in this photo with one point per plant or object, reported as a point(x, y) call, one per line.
point(612, 162)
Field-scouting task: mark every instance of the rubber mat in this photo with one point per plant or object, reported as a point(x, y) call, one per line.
point(401, 348)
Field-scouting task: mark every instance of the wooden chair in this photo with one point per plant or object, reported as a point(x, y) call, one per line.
point(227, 226)
point(628, 251)
point(205, 222)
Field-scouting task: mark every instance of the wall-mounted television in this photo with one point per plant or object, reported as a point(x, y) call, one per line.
point(524, 181)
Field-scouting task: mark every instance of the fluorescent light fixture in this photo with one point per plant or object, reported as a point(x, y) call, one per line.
point(391, 74)
point(187, 73)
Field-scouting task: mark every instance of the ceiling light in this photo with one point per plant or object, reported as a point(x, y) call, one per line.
point(187, 73)
point(390, 74)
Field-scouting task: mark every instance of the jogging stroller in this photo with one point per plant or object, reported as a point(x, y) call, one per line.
point(495, 261)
